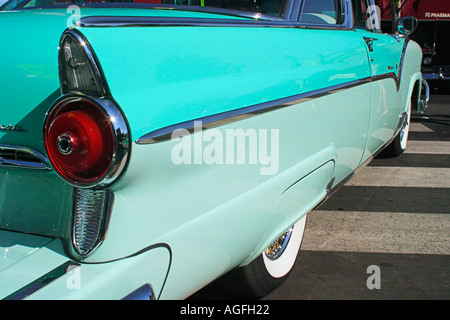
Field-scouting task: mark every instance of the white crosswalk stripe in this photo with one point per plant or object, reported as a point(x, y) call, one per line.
point(419, 127)
point(428, 147)
point(378, 232)
point(387, 232)
point(402, 177)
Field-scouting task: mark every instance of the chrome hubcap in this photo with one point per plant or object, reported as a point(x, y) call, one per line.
point(404, 132)
point(276, 249)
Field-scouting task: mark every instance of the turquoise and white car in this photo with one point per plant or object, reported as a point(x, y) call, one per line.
point(148, 148)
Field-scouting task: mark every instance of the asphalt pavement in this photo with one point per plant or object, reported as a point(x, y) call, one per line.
point(385, 234)
point(393, 215)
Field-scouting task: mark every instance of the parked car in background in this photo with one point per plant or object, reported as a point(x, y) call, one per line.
point(147, 149)
point(431, 34)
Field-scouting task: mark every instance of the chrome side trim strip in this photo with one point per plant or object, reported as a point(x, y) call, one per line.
point(287, 19)
point(199, 9)
point(142, 21)
point(22, 157)
point(42, 281)
point(220, 119)
point(390, 75)
point(227, 117)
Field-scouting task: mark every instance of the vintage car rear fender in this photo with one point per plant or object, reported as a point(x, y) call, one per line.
point(193, 207)
point(23, 259)
point(296, 201)
point(195, 215)
point(114, 280)
point(176, 74)
point(157, 196)
point(29, 66)
point(411, 77)
point(33, 267)
point(29, 74)
point(29, 85)
point(29, 80)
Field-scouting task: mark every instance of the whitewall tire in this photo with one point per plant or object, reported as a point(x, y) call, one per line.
point(269, 270)
point(398, 145)
point(281, 266)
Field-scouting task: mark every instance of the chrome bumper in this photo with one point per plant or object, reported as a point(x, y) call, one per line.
point(436, 76)
point(423, 103)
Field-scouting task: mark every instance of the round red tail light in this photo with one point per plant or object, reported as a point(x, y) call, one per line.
point(81, 140)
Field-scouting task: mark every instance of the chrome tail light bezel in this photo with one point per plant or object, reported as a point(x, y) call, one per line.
point(121, 138)
point(92, 202)
point(103, 101)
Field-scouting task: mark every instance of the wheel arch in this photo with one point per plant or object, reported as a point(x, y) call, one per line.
point(410, 75)
point(414, 93)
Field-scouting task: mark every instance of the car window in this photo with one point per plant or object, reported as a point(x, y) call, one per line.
point(366, 14)
point(322, 12)
point(267, 7)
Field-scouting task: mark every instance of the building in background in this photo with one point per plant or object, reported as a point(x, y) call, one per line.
point(433, 35)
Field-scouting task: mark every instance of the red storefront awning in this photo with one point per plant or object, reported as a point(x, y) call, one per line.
point(420, 9)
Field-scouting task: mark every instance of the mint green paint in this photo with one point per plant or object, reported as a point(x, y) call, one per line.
point(190, 76)
point(15, 247)
point(29, 73)
point(388, 103)
point(29, 77)
point(194, 207)
point(297, 201)
point(385, 100)
point(31, 257)
point(109, 281)
point(25, 258)
point(165, 75)
point(411, 74)
point(34, 201)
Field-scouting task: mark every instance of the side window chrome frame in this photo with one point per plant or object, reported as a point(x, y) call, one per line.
point(368, 4)
point(286, 18)
point(347, 24)
point(288, 10)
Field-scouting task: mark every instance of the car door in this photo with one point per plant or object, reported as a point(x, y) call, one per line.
point(384, 53)
point(341, 58)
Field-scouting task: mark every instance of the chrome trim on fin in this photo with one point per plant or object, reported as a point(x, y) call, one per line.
point(215, 120)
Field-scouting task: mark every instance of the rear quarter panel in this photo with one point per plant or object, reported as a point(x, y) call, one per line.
point(215, 217)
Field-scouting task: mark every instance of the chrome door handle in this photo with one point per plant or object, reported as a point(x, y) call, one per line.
point(369, 43)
